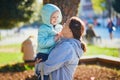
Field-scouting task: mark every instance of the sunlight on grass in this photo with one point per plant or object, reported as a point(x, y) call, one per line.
point(10, 54)
point(95, 50)
point(11, 46)
point(10, 58)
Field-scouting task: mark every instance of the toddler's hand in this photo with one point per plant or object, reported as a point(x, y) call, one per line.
point(58, 36)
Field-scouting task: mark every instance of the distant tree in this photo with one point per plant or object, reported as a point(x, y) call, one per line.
point(99, 6)
point(116, 5)
point(69, 8)
point(14, 12)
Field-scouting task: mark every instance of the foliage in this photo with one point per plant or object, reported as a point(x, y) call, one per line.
point(99, 6)
point(16, 12)
point(116, 5)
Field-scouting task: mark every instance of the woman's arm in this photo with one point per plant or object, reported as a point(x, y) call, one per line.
point(58, 57)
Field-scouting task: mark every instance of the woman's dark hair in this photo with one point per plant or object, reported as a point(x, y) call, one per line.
point(77, 27)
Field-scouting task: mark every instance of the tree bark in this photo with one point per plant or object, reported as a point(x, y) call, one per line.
point(68, 8)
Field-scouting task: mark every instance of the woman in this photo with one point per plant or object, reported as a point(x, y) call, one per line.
point(64, 57)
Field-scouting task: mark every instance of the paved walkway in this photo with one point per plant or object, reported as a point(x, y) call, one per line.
point(106, 42)
point(13, 39)
point(115, 43)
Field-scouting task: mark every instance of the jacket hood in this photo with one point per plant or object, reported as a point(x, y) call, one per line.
point(47, 11)
point(76, 45)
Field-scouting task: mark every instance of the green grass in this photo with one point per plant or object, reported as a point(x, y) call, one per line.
point(11, 46)
point(10, 58)
point(95, 50)
point(10, 54)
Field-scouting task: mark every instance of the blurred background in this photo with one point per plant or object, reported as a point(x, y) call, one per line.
point(20, 19)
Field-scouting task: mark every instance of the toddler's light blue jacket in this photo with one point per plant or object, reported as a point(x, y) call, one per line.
point(63, 59)
point(46, 32)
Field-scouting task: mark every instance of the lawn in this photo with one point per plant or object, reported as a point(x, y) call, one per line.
point(96, 50)
point(11, 53)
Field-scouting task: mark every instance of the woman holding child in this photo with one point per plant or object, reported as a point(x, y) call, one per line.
point(64, 57)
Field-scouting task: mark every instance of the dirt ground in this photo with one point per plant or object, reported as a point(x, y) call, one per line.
point(83, 72)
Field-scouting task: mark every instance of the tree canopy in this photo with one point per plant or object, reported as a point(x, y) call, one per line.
point(116, 5)
point(99, 6)
point(14, 12)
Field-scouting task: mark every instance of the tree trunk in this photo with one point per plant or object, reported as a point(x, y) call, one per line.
point(68, 8)
point(109, 6)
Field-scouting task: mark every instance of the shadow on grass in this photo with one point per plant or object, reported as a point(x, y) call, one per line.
point(19, 67)
point(21, 71)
